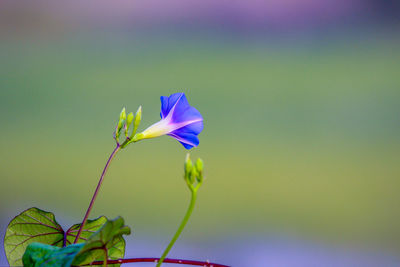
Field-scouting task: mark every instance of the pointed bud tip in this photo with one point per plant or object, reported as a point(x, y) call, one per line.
point(199, 164)
point(129, 119)
point(188, 164)
point(122, 115)
point(139, 112)
point(136, 122)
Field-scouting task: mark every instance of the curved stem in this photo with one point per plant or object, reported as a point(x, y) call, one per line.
point(117, 148)
point(166, 260)
point(179, 231)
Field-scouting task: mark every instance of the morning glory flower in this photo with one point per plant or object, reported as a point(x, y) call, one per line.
point(178, 119)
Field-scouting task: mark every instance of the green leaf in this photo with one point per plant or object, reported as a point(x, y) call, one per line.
point(32, 225)
point(35, 225)
point(117, 251)
point(108, 238)
point(42, 255)
point(91, 226)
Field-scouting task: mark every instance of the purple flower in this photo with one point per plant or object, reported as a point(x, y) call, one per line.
point(178, 119)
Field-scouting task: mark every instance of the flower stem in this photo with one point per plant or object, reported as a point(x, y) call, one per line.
point(105, 257)
point(166, 260)
point(117, 148)
point(179, 231)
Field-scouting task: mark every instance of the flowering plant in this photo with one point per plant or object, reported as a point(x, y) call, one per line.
point(35, 239)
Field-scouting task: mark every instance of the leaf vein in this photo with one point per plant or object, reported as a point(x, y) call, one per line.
point(87, 229)
point(75, 236)
point(39, 223)
point(33, 218)
point(16, 245)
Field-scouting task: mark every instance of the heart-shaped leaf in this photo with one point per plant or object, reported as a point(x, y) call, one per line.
point(36, 225)
point(91, 226)
point(32, 225)
point(107, 241)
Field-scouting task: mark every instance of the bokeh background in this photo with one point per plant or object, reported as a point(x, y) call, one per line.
point(302, 124)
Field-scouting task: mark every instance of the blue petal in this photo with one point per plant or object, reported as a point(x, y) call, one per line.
point(184, 112)
point(188, 140)
point(187, 146)
point(187, 135)
point(164, 107)
point(193, 128)
point(168, 102)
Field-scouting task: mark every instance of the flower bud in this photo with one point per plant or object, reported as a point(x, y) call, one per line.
point(194, 174)
point(188, 165)
point(129, 120)
point(136, 122)
point(199, 168)
point(199, 165)
point(122, 115)
point(122, 118)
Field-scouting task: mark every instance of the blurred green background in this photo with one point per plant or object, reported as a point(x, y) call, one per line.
point(301, 133)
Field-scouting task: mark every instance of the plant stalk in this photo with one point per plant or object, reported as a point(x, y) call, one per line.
point(180, 229)
point(105, 257)
point(117, 148)
point(166, 260)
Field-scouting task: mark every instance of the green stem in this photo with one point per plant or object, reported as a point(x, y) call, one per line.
point(105, 257)
point(180, 229)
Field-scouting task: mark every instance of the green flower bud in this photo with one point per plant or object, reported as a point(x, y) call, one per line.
point(122, 117)
point(129, 120)
point(194, 174)
point(199, 167)
point(136, 122)
point(188, 165)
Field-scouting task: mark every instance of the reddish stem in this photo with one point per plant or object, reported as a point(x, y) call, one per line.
point(166, 260)
point(117, 148)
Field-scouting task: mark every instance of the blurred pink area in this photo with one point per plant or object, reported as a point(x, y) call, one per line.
point(251, 13)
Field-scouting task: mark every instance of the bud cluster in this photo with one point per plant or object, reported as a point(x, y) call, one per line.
point(193, 173)
point(125, 123)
